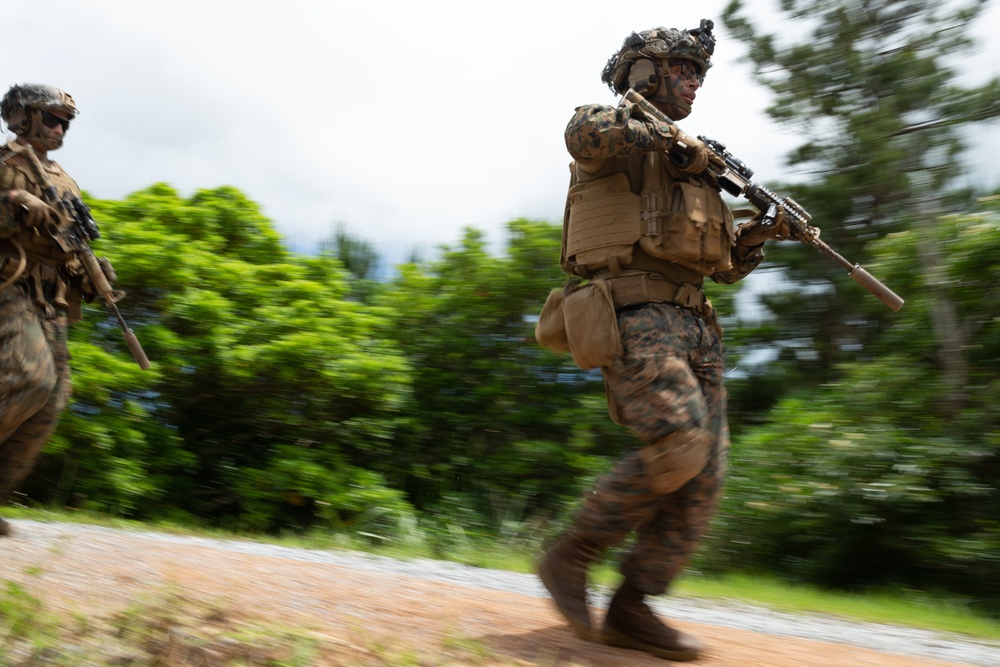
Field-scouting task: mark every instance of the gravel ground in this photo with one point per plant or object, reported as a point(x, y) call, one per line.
point(880, 637)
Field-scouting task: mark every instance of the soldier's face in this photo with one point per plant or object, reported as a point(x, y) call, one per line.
point(680, 86)
point(54, 124)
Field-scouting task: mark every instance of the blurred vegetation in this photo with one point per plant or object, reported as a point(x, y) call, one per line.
point(296, 393)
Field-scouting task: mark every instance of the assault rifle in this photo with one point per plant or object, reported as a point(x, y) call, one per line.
point(76, 240)
point(733, 176)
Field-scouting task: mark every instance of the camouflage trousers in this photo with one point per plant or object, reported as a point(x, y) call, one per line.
point(34, 383)
point(669, 379)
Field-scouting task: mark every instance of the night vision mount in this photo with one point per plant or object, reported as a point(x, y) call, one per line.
point(703, 33)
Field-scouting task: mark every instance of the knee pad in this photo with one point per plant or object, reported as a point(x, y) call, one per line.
point(674, 459)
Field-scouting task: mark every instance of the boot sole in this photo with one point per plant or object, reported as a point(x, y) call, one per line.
point(613, 637)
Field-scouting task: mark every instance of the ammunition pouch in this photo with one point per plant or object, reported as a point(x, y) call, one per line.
point(685, 221)
point(52, 285)
point(674, 219)
point(696, 231)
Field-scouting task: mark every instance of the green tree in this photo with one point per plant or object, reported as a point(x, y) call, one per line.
point(270, 394)
point(879, 464)
point(498, 421)
point(874, 89)
point(359, 258)
point(876, 479)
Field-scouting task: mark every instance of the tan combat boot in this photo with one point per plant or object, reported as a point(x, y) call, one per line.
point(4, 528)
point(630, 623)
point(563, 571)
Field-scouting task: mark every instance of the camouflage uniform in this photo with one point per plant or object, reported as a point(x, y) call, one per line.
point(39, 298)
point(34, 371)
point(669, 379)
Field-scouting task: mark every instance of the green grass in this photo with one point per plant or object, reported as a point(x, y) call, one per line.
point(907, 608)
point(904, 608)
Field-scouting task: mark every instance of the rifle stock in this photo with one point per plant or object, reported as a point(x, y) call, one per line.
point(734, 177)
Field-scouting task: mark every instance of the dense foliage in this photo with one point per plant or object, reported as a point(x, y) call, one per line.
point(874, 453)
point(288, 392)
point(277, 401)
point(876, 477)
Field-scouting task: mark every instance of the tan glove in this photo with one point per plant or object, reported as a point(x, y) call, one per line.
point(33, 211)
point(694, 155)
point(693, 149)
point(757, 230)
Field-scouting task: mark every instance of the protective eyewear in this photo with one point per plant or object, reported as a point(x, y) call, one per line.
point(50, 120)
point(687, 71)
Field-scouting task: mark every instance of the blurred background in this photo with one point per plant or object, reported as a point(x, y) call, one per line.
point(336, 228)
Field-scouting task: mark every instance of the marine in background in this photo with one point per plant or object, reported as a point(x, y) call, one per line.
point(41, 283)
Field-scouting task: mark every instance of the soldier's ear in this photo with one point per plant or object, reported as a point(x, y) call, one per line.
point(17, 122)
point(642, 76)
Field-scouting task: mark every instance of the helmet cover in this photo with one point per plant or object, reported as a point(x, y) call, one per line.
point(27, 96)
point(697, 45)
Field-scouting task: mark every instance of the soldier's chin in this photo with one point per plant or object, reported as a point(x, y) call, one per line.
point(681, 109)
point(52, 144)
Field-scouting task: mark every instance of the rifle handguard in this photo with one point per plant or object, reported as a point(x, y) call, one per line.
point(96, 274)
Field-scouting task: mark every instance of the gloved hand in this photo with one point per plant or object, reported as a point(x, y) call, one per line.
point(756, 230)
point(32, 210)
point(688, 154)
point(693, 149)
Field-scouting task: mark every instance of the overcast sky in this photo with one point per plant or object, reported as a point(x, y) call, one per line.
point(403, 121)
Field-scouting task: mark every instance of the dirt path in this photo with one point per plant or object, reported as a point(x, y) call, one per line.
point(101, 571)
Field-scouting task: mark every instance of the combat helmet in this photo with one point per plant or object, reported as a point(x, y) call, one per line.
point(696, 45)
point(22, 99)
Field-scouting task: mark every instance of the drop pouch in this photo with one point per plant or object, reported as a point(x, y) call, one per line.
point(550, 330)
point(592, 325)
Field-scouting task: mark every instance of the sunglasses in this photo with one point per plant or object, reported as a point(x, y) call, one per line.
point(50, 120)
point(687, 71)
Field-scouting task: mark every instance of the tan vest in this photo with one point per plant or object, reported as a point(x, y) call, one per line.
point(645, 216)
point(46, 268)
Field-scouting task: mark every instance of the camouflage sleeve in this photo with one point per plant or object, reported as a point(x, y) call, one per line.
point(8, 225)
point(598, 131)
point(10, 179)
point(745, 259)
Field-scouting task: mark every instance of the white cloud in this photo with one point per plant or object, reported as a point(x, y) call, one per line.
point(404, 121)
